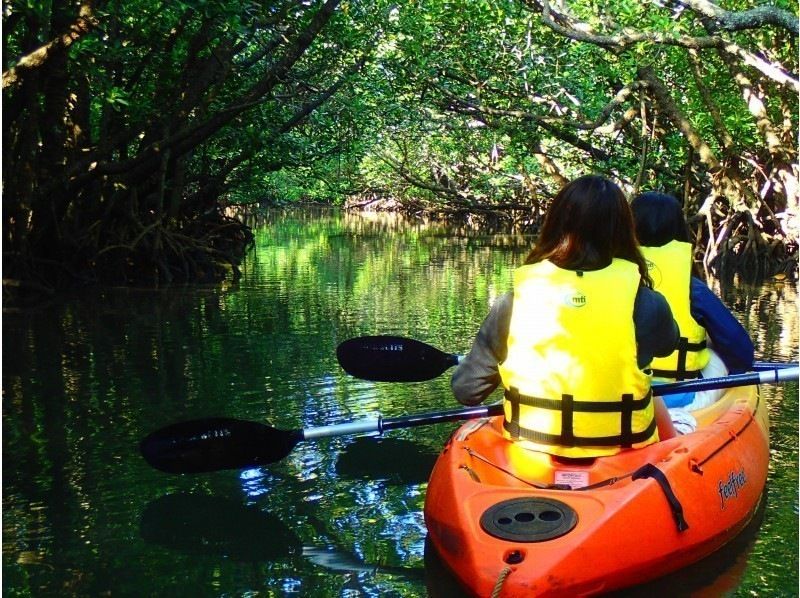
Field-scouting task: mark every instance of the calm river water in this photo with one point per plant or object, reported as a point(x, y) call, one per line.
point(86, 377)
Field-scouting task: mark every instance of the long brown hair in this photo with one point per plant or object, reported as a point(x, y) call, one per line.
point(588, 224)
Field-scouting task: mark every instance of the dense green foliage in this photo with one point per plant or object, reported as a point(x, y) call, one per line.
point(129, 127)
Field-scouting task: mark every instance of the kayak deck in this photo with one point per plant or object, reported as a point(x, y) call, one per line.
point(545, 526)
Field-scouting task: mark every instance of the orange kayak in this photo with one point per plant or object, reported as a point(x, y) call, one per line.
point(513, 522)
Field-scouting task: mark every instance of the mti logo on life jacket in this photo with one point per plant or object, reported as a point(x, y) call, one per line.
point(576, 299)
point(654, 271)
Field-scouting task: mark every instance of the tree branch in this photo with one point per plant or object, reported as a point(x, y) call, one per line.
point(85, 23)
point(563, 134)
point(582, 32)
point(191, 136)
point(620, 42)
point(670, 109)
point(716, 18)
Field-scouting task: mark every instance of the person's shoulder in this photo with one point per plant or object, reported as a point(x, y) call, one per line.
point(503, 303)
point(699, 291)
point(506, 298)
point(647, 294)
point(650, 302)
point(698, 285)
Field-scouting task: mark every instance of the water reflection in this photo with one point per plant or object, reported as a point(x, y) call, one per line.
point(392, 460)
point(88, 376)
point(214, 525)
point(200, 524)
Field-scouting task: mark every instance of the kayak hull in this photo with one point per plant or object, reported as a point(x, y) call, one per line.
point(523, 523)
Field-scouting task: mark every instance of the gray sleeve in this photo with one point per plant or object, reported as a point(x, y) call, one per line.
point(656, 330)
point(477, 375)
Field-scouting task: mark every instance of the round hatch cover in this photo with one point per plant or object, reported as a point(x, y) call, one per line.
point(528, 519)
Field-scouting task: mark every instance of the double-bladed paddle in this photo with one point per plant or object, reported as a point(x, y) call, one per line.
point(223, 443)
point(387, 358)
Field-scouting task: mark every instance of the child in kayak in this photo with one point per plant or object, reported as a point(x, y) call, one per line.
point(712, 342)
point(571, 344)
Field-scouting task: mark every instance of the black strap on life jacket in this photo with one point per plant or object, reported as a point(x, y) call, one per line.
point(568, 407)
point(680, 372)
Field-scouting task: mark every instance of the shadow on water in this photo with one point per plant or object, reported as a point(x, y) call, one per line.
point(204, 525)
point(393, 460)
point(198, 524)
point(717, 575)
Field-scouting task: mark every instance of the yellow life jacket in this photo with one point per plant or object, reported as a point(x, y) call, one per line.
point(670, 267)
point(573, 386)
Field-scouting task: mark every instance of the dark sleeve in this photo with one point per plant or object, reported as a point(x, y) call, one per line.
point(656, 330)
point(728, 337)
point(477, 375)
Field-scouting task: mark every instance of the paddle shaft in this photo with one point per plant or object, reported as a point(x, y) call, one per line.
point(381, 424)
point(760, 366)
point(782, 374)
point(218, 443)
point(223, 443)
point(388, 358)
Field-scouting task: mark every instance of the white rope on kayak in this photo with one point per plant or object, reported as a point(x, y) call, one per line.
point(480, 457)
point(498, 586)
point(467, 429)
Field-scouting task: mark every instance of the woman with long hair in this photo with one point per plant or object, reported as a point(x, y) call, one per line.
point(571, 345)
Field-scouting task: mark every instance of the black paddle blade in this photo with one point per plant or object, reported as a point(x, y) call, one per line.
point(392, 359)
point(216, 443)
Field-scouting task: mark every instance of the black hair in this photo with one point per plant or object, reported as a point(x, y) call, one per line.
point(659, 219)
